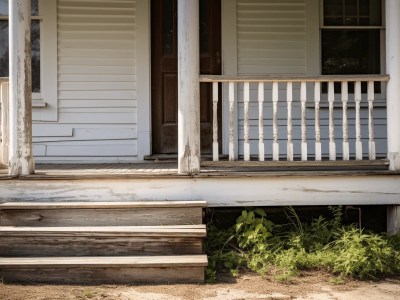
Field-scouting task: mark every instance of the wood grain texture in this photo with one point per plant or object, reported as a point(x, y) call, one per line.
point(102, 205)
point(101, 217)
point(96, 245)
point(86, 275)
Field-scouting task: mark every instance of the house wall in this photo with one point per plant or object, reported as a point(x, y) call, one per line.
point(280, 37)
point(103, 106)
point(97, 101)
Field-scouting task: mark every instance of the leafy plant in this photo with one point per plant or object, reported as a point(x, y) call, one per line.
point(258, 244)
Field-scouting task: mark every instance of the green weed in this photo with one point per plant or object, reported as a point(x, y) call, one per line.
point(258, 244)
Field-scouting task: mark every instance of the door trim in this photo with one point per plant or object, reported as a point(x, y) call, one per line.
point(143, 82)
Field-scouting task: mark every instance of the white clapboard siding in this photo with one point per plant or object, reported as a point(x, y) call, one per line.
point(271, 37)
point(97, 97)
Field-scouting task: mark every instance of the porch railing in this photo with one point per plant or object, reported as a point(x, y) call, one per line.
point(4, 101)
point(312, 93)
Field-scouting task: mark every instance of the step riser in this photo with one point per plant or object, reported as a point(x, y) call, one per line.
point(97, 246)
point(101, 217)
point(110, 275)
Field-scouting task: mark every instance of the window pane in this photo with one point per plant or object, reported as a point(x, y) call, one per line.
point(35, 40)
point(34, 7)
point(350, 52)
point(352, 12)
point(3, 49)
point(4, 7)
point(168, 27)
point(4, 71)
point(204, 20)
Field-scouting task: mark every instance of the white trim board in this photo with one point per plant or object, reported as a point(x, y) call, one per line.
point(218, 192)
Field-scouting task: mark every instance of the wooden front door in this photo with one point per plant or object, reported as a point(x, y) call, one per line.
point(164, 70)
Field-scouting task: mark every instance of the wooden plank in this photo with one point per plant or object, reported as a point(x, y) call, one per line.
point(97, 245)
point(108, 261)
point(380, 164)
point(148, 231)
point(292, 78)
point(85, 275)
point(141, 216)
point(101, 205)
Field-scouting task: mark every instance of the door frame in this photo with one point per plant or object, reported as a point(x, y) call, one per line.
point(220, 71)
point(143, 67)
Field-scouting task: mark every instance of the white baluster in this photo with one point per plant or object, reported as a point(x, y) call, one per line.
point(371, 98)
point(317, 99)
point(215, 122)
point(231, 121)
point(345, 99)
point(289, 97)
point(261, 151)
point(357, 99)
point(246, 100)
point(331, 99)
point(275, 145)
point(303, 99)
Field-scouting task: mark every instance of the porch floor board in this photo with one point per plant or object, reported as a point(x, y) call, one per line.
point(208, 169)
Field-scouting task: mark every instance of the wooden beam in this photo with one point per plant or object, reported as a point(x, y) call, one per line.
point(393, 219)
point(188, 87)
point(393, 87)
point(21, 160)
point(4, 122)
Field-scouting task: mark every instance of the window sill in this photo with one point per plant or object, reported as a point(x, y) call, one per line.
point(38, 103)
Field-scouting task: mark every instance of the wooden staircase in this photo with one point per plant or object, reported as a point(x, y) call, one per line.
point(98, 242)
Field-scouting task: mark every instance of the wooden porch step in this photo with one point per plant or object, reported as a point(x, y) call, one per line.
point(83, 270)
point(65, 214)
point(101, 241)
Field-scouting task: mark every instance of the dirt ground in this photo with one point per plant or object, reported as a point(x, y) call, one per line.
point(312, 286)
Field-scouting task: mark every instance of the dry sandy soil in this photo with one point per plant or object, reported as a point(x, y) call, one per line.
point(313, 286)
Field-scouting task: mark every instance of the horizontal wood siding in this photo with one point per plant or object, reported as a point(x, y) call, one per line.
point(271, 36)
point(97, 116)
point(272, 40)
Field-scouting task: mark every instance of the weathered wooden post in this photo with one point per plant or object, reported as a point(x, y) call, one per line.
point(20, 145)
point(393, 100)
point(393, 87)
point(4, 122)
point(188, 87)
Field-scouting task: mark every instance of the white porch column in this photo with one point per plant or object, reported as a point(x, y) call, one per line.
point(188, 87)
point(20, 144)
point(393, 219)
point(393, 88)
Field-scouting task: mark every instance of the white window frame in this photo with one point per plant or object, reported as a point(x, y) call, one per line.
point(45, 103)
point(380, 98)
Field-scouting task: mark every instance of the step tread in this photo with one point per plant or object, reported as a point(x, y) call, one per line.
point(101, 205)
point(147, 231)
point(105, 261)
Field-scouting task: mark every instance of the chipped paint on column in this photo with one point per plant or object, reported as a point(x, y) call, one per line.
point(188, 87)
point(393, 87)
point(20, 146)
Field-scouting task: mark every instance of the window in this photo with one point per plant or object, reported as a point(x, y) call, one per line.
point(44, 56)
point(35, 40)
point(351, 37)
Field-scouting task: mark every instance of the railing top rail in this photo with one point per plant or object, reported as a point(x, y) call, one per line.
point(293, 78)
point(3, 79)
